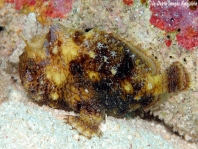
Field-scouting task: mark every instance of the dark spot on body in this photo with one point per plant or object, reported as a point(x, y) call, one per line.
point(114, 104)
point(103, 85)
point(78, 37)
point(59, 43)
point(146, 100)
point(78, 106)
point(137, 86)
point(119, 104)
point(125, 67)
point(76, 68)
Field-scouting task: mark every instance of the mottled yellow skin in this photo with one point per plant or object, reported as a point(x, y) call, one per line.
point(93, 73)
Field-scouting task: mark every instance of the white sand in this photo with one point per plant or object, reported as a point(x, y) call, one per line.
point(24, 127)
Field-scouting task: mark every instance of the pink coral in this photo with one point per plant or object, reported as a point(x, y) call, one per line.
point(188, 37)
point(176, 15)
point(58, 8)
point(50, 8)
point(19, 3)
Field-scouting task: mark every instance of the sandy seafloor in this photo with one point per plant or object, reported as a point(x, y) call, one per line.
point(25, 125)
